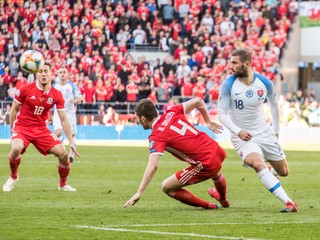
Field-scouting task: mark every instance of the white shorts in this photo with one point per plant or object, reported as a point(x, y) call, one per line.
point(71, 118)
point(265, 143)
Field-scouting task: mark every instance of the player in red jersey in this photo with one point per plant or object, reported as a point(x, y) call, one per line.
point(28, 116)
point(173, 133)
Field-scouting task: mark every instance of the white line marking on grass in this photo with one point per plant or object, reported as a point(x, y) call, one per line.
point(164, 233)
point(196, 224)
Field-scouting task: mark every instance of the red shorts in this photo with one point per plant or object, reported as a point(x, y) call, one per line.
point(42, 138)
point(197, 173)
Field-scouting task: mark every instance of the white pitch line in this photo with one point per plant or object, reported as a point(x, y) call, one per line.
point(196, 224)
point(165, 233)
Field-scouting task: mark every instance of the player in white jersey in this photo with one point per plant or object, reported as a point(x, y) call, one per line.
point(71, 95)
point(240, 109)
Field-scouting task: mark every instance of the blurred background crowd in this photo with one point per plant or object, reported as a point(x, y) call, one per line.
point(94, 39)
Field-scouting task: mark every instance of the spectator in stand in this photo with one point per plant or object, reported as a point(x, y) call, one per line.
point(193, 61)
point(312, 95)
point(314, 117)
point(139, 35)
point(102, 109)
point(3, 62)
point(14, 67)
point(162, 92)
point(109, 88)
point(187, 90)
point(207, 48)
point(199, 89)
point(168, 13)
point(123, 36)
point(120, 95)
point(11, 92)
point(100, 91)
point(166, 66)
point(227, 27)
point(153, 96)
point(144, 88)
point(183, 9)
point(183, 71)
point(213, 92)
point(208, 21)
point(164, 41)
point(178, 52)
point(3, 89)
point(132, 90)
point(20, 80)
point(7, 76)
point(110, 117)
point(89, 96)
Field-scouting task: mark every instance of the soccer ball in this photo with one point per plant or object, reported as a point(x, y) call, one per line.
point(31, 61)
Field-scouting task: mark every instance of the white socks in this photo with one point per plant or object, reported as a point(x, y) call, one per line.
point(273, 185)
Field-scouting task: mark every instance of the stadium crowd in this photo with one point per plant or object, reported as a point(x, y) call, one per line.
point(93, 40)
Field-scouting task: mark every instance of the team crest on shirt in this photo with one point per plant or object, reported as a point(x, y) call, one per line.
point(50, 100)
point(260, 92)
point(249, 94)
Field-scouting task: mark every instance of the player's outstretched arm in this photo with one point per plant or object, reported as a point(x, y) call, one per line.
point(147, 177)
point(67, 130)
point(13, 112)
point(199, 104)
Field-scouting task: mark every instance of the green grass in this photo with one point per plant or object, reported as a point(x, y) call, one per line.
point(106, 177)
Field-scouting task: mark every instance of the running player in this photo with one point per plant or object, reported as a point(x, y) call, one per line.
point(240, 109)
point(28, 116)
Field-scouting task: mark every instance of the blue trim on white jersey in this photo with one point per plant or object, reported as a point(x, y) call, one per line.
point(227, 86)
point(74, 87)
point(267, 83)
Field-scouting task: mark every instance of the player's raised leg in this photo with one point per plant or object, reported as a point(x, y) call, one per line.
point(14, 161)
point(64, 166)
point(271, 182)
point(173, 188)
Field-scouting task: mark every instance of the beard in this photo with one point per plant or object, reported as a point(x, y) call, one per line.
point(240, 73)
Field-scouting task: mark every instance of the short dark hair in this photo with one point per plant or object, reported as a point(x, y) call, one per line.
point(146, 108)
point(47, 64)
point(244, 55)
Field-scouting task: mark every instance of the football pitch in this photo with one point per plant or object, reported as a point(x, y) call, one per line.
point(106, 177)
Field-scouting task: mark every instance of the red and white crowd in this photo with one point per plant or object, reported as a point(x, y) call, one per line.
point(93, 39)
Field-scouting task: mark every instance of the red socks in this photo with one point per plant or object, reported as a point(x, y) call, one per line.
point(188, 198)
point(64, 170)
point(221, 185)
point(14, 165)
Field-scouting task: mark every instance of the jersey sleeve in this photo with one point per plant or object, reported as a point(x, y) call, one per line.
point(156, 146)
point(224, 106)
point(21, 94)
point(272, 98)
point(76, 90)
point(59, 101)
point(180, 108)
